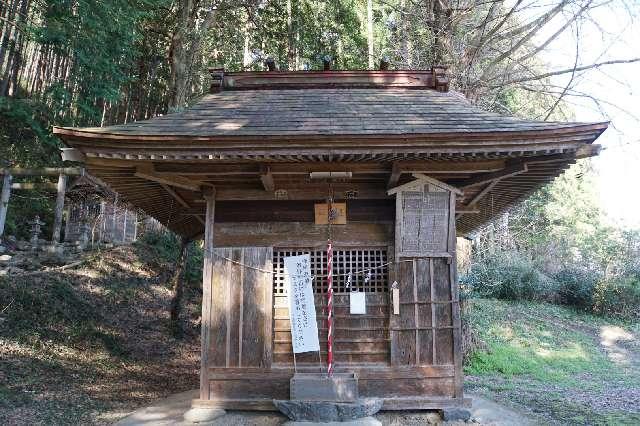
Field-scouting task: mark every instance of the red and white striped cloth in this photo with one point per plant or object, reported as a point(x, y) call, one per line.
point(330, 309)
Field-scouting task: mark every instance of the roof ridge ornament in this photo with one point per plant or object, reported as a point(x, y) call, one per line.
point(433, 79)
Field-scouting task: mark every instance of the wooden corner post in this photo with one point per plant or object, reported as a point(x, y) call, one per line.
point(57, 220)
point(207, 275)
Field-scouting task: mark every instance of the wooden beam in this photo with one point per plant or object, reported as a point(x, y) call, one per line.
point(369, 167)
point(482, 193)
point(306, 192)
point(57, 220)
point(4, 201)
point(489, 177)
point(45, 186)
point(148, 173)
point(175, 196)
point(396, 172)
point(267, 178)
point(45, 171)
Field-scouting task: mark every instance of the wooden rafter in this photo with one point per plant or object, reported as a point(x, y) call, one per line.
point(489, 177)
point(148, 173)
point(175, 196)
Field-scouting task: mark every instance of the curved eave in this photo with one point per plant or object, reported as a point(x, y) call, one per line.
point(331, 147)
point(79, 134)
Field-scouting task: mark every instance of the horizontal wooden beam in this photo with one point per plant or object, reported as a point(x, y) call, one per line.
point(44, 171)
point(179, 182)
point(47, 186)
point(369, 167)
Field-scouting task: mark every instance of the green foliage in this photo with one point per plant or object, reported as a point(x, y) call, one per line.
point(333, 28)
point(510, 276)
point(163, 248)
point(576, 286)
point(618, 296)
point(534, 339)
point(558, 246)
point(552, 361)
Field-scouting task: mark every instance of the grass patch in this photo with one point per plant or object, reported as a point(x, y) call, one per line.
point(552, 361)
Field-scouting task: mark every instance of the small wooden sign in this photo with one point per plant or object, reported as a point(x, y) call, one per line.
point(395, 294)
point(339, 213)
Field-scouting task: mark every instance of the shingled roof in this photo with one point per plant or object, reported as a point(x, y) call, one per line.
point(330, 112)
point(384, 117)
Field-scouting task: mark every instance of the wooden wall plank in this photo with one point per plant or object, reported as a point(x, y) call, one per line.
point(255, 316)
point(455, 296)
point(207, 275)
point(234, 307)
point(305, 235)
point(222, 269)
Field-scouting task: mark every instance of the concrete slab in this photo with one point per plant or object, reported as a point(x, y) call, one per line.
point(170, 411)
point(365, 421)
point(487, 412)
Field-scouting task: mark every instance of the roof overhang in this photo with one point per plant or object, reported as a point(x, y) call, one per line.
point(267, 131)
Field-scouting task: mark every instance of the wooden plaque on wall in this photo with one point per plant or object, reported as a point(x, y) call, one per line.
point(322, 213)
point(423, 220)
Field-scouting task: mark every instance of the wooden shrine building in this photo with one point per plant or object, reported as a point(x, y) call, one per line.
point(250, 167)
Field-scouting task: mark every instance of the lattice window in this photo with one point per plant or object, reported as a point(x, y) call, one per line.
point(344, 261)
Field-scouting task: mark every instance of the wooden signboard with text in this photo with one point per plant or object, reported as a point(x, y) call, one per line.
point(339, 213)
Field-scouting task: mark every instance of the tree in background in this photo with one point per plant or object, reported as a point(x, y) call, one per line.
point(90, 62)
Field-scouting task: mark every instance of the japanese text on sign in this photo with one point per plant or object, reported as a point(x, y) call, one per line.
point(304, 328)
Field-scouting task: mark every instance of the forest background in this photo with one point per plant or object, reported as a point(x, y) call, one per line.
point(96, 63)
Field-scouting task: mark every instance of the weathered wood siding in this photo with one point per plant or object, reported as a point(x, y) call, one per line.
point(358, 339)
point(427, 329)
point(241, 308)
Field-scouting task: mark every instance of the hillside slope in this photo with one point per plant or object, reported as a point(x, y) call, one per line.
point(90, 344)
point(558, 365)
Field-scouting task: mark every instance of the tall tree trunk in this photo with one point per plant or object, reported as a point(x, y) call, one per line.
point(178, 55)
point(370, 33)
point(291, 47)
point(7, 30)
point(178, 281)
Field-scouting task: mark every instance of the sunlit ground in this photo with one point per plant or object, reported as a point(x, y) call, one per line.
point(557, 364)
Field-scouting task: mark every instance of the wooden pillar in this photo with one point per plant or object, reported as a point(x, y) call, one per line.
point(57, 220)
point(207, 275)
point(4, 201)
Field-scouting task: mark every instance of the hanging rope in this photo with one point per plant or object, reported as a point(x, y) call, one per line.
point(329, 285)
point(329, 309)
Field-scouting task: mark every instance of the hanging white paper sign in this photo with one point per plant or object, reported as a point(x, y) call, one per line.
point(357, 304)
point(302, 309)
